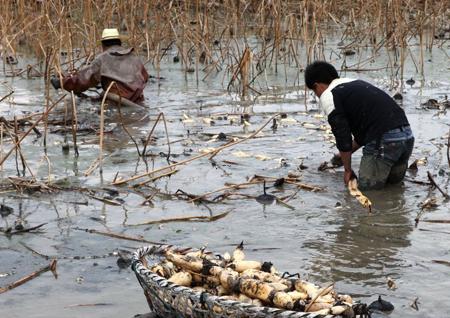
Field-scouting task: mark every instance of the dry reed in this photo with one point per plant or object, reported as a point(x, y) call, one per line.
point(243, 39)
point(207, 34)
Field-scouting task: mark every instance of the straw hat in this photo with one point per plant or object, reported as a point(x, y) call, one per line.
point(110, 34)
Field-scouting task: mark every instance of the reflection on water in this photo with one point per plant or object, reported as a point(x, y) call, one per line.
point(364, 247)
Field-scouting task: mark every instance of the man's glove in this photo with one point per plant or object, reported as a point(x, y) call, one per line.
point(336, 161)
point(56, 83)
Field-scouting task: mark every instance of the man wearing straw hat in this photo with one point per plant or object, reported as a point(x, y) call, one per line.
point(361, 114)
point(116, 64)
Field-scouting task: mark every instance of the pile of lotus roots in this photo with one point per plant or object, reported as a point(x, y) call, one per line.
point(233, 277)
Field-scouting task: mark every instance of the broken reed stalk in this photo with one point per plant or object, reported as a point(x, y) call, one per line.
point(234, 186)
point(104, 200)
point(442, 262)
point(448, 148)
point(209, 153)
point(1, 146)
point(437, 221)
point(203, 30)
point(167, 174)
point(245, 70)
point(196, 218)
point(26, 230)
point(119, 105)
point(167, 136)
point(6, 96)
point(324, 291)
point(126, 102)
point(102, 127)
point(44, 115)
point(291, 181)
point(74, 125)
point(430, 177)
point(89, 305)
point(48, 58)
point(49, 175)
point(15, 137)
point(119, 236)
point(150, 134)
point(23, 280)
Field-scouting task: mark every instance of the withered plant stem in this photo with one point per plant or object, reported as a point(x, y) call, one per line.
point(210, 153)
point(74, 125)
point(23, 280)
point(44, 115)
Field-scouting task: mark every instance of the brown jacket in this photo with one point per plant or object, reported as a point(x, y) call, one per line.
point(115, 64)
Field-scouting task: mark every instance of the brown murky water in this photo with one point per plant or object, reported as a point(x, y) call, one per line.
point(322, 240)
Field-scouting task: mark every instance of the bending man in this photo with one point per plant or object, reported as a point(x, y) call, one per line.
point(361, 114)
point(115, 63)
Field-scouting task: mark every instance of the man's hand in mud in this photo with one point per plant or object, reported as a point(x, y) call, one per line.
point(336, 161)
point(55, 82)
point(349, 175)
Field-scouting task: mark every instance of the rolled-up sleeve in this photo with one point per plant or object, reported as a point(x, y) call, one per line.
point(340, 126)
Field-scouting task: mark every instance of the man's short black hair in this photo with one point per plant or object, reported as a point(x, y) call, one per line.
point(319, 72)
point(108, 43)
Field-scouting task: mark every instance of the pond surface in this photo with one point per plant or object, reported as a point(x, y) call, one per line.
point(325, 235)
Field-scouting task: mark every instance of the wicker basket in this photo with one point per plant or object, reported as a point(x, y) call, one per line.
point(169, 300)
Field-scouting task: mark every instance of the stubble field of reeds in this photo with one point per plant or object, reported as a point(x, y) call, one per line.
point(222, 72)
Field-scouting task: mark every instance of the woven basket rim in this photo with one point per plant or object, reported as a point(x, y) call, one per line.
point(144, 273)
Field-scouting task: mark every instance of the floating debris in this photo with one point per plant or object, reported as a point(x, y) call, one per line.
point(186, 119)
point(238, 253)
point(326, 166)
point(266, 199)
point(418, 162)
point(221, 136)
point(65, 148)
point(397, 96)
point(123, 261)
point(429, 203)
point(208, 121)
point(391, 284)
point(274, 124)
point(435, 104)
point(11, 60)
point(415, 304)
point(79, 279)
point(349, 52)
point(283, 163)
point(241, 154)
point(279, 182)
point(410, 82)
point(336, 161)
point(5, 210)
point(381, 305)
point(287, 121)
point(262, 157)
point(19, 225)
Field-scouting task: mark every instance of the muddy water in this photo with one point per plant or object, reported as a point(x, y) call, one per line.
point(326, 237)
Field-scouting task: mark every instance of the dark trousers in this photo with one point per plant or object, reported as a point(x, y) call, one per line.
point(385, 161)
